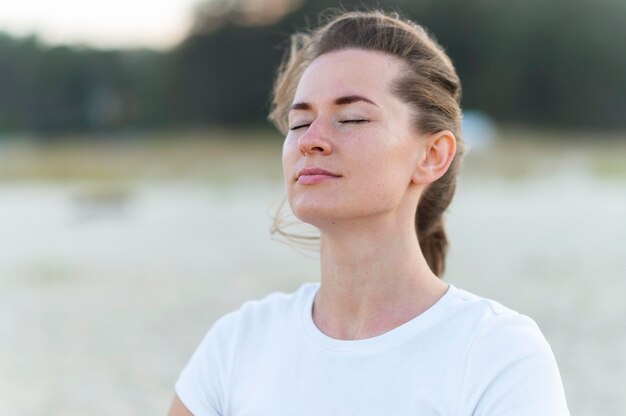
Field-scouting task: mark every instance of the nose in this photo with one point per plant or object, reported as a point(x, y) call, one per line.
point(315, 140)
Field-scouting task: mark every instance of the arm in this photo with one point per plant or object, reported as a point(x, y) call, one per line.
point(178, 408)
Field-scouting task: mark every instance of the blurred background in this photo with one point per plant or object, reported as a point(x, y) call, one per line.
point(139, 177)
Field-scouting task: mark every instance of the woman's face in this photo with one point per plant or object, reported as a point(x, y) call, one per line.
point(351, 148)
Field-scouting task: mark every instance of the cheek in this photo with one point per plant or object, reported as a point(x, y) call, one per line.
point(390, 170)
point(386, 181)
point(288, 155)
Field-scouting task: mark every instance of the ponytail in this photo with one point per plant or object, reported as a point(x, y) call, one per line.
point(429, 225)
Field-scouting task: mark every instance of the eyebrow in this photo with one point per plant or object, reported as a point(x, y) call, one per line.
point(344, 100)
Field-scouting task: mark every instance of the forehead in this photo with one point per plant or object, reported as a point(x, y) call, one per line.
point(348, 71)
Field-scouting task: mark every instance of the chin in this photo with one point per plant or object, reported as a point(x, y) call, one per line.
point(315, 212)
point(314, 215)
point(322, 216)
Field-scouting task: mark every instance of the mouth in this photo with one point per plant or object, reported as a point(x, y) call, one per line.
point(309, 176)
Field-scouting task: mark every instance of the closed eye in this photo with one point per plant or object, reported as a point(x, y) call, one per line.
point(357, 121)
point(299, 126)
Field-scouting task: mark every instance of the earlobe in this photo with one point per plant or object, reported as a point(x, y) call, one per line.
point(438, 153)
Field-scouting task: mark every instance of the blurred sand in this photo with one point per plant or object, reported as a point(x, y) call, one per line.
point(105, 290)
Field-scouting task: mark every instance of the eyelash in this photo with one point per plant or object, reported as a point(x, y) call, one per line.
point(358, 121)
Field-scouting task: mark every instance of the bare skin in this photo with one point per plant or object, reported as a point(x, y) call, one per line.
point(356, 299)
point(178, 408)
point(374, 276)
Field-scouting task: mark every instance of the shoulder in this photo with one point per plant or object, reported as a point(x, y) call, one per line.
point(508, 363)
point(204, 382)
point(277, 308)
point(276, 303)
point(493, 331)
point(488, 318)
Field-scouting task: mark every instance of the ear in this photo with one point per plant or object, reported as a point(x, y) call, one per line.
point(438, 152)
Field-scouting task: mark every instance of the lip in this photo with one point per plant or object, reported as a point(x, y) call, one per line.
point(308, 176)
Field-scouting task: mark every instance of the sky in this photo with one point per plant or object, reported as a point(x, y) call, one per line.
point(99, 23)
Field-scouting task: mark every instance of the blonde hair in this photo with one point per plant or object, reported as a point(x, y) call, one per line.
point(429, 84)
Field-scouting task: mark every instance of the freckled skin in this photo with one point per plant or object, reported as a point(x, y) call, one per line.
point(375, 158)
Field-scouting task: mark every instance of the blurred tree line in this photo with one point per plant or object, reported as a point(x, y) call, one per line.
point(560, 63)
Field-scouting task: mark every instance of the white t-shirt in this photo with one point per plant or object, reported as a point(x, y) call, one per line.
point(465, 355)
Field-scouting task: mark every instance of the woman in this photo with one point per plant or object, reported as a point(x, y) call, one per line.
point(370, 108)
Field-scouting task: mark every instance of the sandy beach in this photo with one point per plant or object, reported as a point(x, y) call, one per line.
point(105, 290)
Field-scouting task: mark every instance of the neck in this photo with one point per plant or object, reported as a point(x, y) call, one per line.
point(373, 280)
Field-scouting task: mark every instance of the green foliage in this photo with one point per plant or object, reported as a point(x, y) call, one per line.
point(557, 63)
point(58, 89)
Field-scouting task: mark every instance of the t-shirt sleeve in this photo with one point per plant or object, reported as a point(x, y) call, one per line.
point(513, 371)
point(202, 383)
